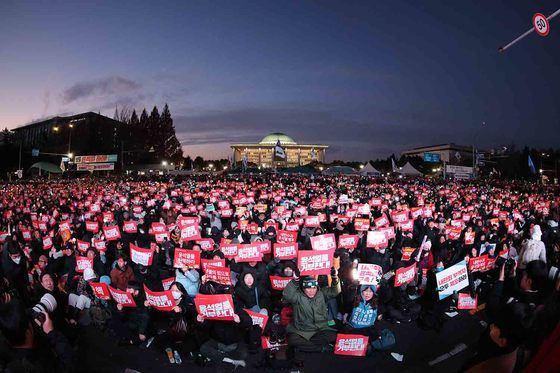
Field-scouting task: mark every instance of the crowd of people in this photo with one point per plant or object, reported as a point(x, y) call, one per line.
point(217, 268)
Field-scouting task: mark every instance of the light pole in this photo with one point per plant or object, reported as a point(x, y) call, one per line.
point(474, 152)
point(70, 126)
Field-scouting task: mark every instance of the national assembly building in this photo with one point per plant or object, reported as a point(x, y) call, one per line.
point(262, 154)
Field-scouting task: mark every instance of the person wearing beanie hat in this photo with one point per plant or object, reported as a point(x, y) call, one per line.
point(532, 249)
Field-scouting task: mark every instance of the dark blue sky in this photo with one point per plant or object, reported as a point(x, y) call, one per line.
point(368, 78)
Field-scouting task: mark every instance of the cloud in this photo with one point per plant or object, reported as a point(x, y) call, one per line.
point(107, 86)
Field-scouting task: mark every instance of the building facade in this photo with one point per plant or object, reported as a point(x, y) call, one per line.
point(448, 153)
point(262, 154)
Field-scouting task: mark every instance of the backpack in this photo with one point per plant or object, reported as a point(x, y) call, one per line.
point(385, 342)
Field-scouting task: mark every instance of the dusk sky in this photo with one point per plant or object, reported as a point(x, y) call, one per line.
point(368, 78)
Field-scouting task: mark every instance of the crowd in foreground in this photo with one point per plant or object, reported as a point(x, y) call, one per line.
point(220, 268)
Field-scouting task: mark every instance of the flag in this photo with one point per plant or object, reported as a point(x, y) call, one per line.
point(62, 167)
point(395, 169)
point(279, 151)
point(313, 154)
point(531, 165)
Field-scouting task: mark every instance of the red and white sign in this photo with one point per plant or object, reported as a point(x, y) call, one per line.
point(478, 264)
point(377, 239)
point(92, 226)
point(407, 253)
point(286, 236)
point(221, 275)
point(258, 318)
point(469, 238)
point(381, 221)
point(369, 274)
point(82, 263)
point(285, 251)
point(100, 290)
point(130, 226)
point(405, 275)
point(315, 262)
point(190, 232)
point(323, 242)
point(407, 225)
point(99, 245)
point(264, 247)
point(167, 282)
point(348, 241)
point(361, 224)
point(351, 345)
point(215, 307)
point(112, 233)
point(229, 250)
point(452, 279)
point(279, 283)
point(399, 216)
point(122, 297)
point(540, 24)
point(204, 263)
point(248, 253)
point(47, 243)
point(312, 222)
point(206, 243)
point(82, 246)
point(186, 258)
point(466, 302)
point(160, 300)
point(142, 256)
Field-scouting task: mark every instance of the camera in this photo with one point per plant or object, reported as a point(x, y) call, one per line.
point(47, 304)
point(509, 263)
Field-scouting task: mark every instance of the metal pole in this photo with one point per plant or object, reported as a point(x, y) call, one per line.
point(19, 162)
point(69, 139)
point(502, 49)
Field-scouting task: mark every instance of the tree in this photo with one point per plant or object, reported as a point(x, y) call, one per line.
point(198, 163)
point(142, 134)
point(188, 163)
point(167, 143)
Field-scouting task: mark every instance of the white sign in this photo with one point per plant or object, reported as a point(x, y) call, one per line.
point(452, 279)
point(540, 24)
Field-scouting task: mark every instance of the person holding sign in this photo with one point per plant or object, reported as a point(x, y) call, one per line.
point(309, 330)
point(364, 314)
point(131, 323)
point(122, 273)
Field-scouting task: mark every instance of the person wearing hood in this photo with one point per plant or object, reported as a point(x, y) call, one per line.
point(532, 249)
point(364, 314)
point(14, 269)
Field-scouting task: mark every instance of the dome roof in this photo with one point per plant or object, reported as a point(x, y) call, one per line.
point(273, 138)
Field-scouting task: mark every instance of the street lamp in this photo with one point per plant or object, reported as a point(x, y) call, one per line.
point(55, 128)
point(164, 163)
point(361, 166)
point(70, 155)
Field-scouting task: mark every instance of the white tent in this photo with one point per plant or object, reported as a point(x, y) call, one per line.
point(407, 169)
point(369, 170)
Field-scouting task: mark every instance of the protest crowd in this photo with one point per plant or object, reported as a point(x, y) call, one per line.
point(216, 269)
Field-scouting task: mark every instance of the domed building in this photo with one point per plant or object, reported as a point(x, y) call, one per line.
point(263, 153)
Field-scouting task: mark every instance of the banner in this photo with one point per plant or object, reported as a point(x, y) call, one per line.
point(82, 263)
point(285, 251)
point(122, 297)
point(79, 159)
point(248, 253)
point(186, 258)
point(286, 236)
point(348, 241)
point(279, 283)
point(315, 262)
point(405, 275)
point(452, 279)
point(112, 233)
point(220, 275)
point(100, 290)
point(95, 167)
point(258, 318)
point(215, 307)
point(160, 300)
point(399, 216)
point(351, 345)
point(190, 232)
point(369, 274)
point(376, 239)
point(142, 256)
point(466, 302)
point(323, 242)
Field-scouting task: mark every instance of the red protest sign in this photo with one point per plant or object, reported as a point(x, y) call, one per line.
point(221, 275)
point(381, 221)
point(407, 225)
point(215, 307)
point(323, 242)
point(248, 253)
point(142, 256)
point(82, 263)
point(212, 262)
point(348, 241)
point(399, 216)
point(315, 262)
point(190, 232)
point(285, 251)
point(469, 238)
point(279, 283)
point(186, 258)
point(369, 274)
point(112, 233)
point(229, 250)
point(158, 228)
point(184, 221)
point(160, 300)
point(286, 236)
point(100, 290)
point(258, 318)
point(312, 222)
point(130, 226)
point(466, 302)
point(99, 245)
point(351, 345)
point(122, 297)
point(478, 264)
point(407, 253)
point(82, 246)
point(167, 282)
point(206, 243)
point(405, 275)
point(253, 228)
point(361, 224)
point(376, 239)
point(92, 226)
point(264, 247)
